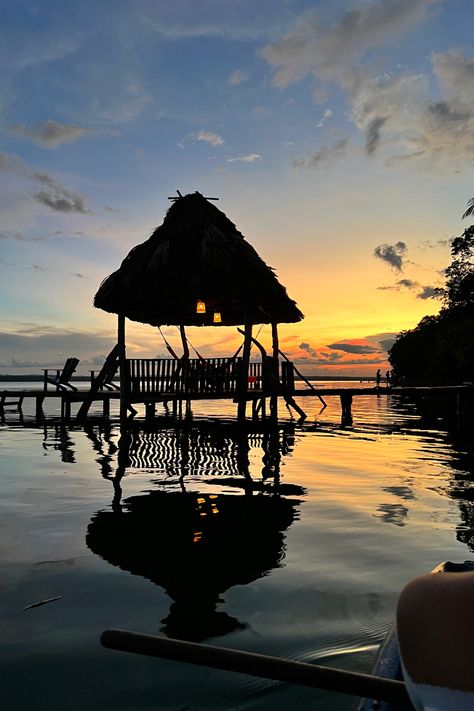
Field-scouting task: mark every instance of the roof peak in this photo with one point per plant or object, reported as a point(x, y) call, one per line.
point(196, 193)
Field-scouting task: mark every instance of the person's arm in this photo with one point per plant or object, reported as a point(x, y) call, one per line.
point(435, 620)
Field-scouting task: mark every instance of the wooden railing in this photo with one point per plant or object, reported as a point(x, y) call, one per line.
point(215, 376)
point(147, 376)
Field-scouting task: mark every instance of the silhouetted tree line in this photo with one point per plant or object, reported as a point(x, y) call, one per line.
point(440, 349)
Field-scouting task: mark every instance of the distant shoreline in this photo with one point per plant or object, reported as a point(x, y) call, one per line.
point(35, 378)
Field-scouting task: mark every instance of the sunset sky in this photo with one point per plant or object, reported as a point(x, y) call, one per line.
point(337, 134)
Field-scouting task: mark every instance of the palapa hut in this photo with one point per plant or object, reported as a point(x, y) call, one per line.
point(196, 269)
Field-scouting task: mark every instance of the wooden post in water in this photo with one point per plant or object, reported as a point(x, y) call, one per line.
point(185, 368)
point(122, 369)
point(346, 409)
point(39, 414)
point(244, 383)
point(276, 368)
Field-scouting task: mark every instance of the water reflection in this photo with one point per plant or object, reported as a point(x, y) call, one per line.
point(392, 513)
point(193, 543)
point(59, 438)
point(404, 492)
point(196, 546)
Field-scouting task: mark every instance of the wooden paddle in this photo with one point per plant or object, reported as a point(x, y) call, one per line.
point(261, 665)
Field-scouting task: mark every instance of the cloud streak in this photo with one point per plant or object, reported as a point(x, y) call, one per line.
point(428, 292)
point(372, 135)
point(327, 155)
point(57, 197)
point(52, 194)
point(356, 348)
point(50, 134)
point(326, 115)
point(424, 292)
point(250, 158)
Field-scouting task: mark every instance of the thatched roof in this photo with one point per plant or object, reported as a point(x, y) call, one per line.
point(196, 254)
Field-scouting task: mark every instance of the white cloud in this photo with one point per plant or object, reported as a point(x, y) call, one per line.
point(398, 116)
point(402, 124)
point(208, 137)
point(237, 77)
point(250, 158)
point(326, 115)
point(455, 73)
point(329, 52)
point(240, 21)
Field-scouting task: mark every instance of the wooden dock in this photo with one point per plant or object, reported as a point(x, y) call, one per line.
point(256, 397)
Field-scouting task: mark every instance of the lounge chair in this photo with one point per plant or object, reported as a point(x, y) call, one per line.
point(104, 378)
point(62, 377)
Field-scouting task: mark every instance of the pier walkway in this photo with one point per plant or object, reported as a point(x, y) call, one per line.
point(15, 397)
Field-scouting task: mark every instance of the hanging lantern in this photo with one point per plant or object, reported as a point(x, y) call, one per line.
point(217, 317)
point(200, 307)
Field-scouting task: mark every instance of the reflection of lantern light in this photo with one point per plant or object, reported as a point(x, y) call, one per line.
point(200, 307)
point(217, 317)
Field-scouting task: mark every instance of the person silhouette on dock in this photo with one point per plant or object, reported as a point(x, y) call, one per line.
point(378, 377)
point(387, 378)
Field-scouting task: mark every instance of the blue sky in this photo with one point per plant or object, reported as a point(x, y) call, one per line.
point(337, 135)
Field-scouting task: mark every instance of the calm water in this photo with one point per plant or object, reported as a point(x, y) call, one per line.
point(294, 544)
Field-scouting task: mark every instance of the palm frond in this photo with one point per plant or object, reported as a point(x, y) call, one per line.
point(470, 209)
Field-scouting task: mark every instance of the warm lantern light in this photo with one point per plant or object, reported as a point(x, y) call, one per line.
point(200, 307)
point(217, 317)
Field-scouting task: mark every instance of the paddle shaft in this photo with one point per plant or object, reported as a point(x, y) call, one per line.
point(341, 681)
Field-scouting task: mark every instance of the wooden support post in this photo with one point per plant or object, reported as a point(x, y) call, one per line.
point(255, 410)
point(150, 411)
point(65, 408)
point(244, 383)
point(185, 366)
point(39, 414)
point(106, 408)
point(346, 409)
point(291, 402)
point(274, 408)
point(188, 412)
point(275, 346)
point(122, 369)
point(276, 367)
point(184, 342)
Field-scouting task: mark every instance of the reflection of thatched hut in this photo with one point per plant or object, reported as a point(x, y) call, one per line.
point(195, 546)
point(196, 269)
